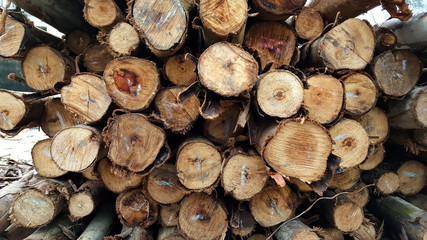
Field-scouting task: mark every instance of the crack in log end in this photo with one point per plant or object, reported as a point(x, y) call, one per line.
point(126, 81)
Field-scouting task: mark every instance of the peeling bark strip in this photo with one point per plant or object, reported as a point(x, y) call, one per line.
point(163, 24)
point(275, 10)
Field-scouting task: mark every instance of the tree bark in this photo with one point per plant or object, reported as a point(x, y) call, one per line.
point(56, 117)
point(114, 183)
point(42, 160)
point(308, 24)
point(52, 231)
point(412, 177)
point(85, 199)
point(180, 69)
point(296, 230)
point(163, 185)
point(419, 200)
point(100, 226)
point(96, 58)
point(123, 39)
point(273, 10)
point(385, 39)
point(136, 208)
point(102, 14)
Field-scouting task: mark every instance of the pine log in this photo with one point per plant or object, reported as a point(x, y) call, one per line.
point(198, 164)
point(351, 142)
point(169, 214)
point(132, 82)
point(136, 208)
point(85, 199)
point(180, 69)
point(133, 141)
point(52, 231)
point(385, 39)
point(410, 113)
point(123, 39)
point(224, 127)
point(96, 58)
point(227, 69)
point(77, 41)
point(360, 93)
point(102, 14)
point(163, 24)
point(323, 98)
point(376, 125)
point(242, 223)
point(366, 231)
point(223, 20)
point(76, 148)
point(43, 67)
point(419, 200)
point(91, 173)
point(273, 205)
point(396, 72)
point(275, 43)
point(100, 226)
point(176, 115)
point(294, 148)
point(42, 160)
point(87, 97)
point(55, 117)
point(273, 10)
point(243, 175)
point(412, 177)
point(345, 178)
point(375, 158)
point(349, 45)
point(296, 230)
point(163, 185)
point(114, 183)
point(64, 15)
point(18, 111)
point(41, 204)
point(341, 212)
point(403, 217)
point(279, 93)
point(308, 24)
point(169, 233)
point(202, 217)
point(359, 195)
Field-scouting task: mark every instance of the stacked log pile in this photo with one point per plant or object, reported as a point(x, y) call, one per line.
point(176, 120)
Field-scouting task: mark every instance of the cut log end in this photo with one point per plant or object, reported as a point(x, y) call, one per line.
point(97, 57)
point(12, 110)
point(348, 217)
point(163, 185)
point(388, 183)
point(55, 117)
point(169, 214)
point(115, 183)
point(42, 160)
point(309, 24)
point(136, 208)
point(180, 70)
point(12, 38)
point(272, 10)
point(374, 159)
point(345, 178)
point(375, 122)
point(101, 13)
point(360, 93)
point(78, 41)
point(123, 39)
point(80, 205)
point(412, 177)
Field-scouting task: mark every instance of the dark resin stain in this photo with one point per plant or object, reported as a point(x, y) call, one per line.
point(125, 79)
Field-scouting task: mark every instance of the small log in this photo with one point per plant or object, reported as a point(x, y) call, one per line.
point(102, 14)
point(224, 127)
point(351, 142)
point(176, 115)
point(41, 204)
point(42, 160)
point(273, 205)
point(163, 185)
point(359, 195)
point(243, 175)
point(409, 112)
point(345, 178)
point(309, 24)
point(180, 69)
point(280, 93)
point(296, 230)
point(242, 223)
point(132, 82)
point(17, 112)
point(100, 226)
point(223, 21)
point(295, 149)
point(385, 39)
point(77, 41)
point(366, 231)
point(169, 214)
point(123, 39)
point(87, 97)
point(376, 125)
point(163, 26)
point(341, 212)
point(333, 51)
point(91, 173)
point(52, 231)
point(85, 199)
point(55, 117)
point(275, 43)
point(403, 217)
point(387, 183)
point(136, 208)
point(169, 233)
point(360, 93)
point(419, 200)
point(227, 69)
point(76, 148)
point(43, 67)
point(375, 158)
point(272, 10)
point(96, 58)
point(133, 141)
point(412, 177)
point(396, 72)
point(323, 98)
point(202, 217)
point(114, 183)
point(198, 164)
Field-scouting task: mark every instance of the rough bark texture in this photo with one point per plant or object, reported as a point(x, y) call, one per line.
point(273, 10)
point(100, 225)
point(296, 230)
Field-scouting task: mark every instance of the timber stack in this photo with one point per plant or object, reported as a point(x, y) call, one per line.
point(217, 120)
